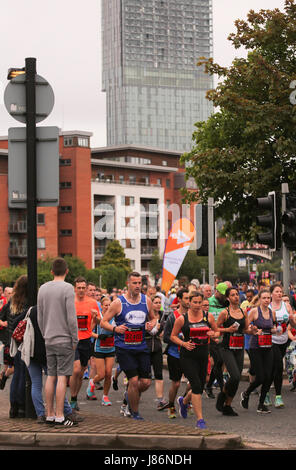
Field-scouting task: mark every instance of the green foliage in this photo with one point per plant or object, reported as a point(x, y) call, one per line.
point(226, 263)
point(247, 148)
point(155, 265)
point(115, 255)
point(192, 266)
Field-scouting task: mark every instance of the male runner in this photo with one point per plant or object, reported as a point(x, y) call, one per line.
point(87, 311)
point(131, 312)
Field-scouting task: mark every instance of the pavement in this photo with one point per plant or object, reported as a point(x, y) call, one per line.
point(101, 432)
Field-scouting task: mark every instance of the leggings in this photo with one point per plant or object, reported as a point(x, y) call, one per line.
point(262, 365)
point(156, 359)
point(234, 362)
point(217, 370)
point(279, 351)
point(194, 366)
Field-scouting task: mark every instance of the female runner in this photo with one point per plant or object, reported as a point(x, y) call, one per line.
point(283, 314)
point(104, 353)
point(233, 323)
point(154, 344)
point(260, 351)
point(197, 327)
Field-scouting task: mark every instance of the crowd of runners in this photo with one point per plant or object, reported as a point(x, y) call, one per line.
point(204, 332)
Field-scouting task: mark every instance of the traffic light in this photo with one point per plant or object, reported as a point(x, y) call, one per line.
point(14, 72)
point(289, 222)
point(270, 220)
point(202, 232)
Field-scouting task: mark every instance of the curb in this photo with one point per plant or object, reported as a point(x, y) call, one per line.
point(121, 441)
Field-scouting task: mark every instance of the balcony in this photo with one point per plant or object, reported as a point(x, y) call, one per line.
point(18, 227)
point(17, 251)
point(147, 251)
point(99, 252)
point(103, 208)
point(128, 183)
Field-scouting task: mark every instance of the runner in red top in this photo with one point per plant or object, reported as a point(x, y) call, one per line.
point(87, 311)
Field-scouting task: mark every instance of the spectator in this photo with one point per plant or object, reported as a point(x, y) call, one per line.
point(57, 321)
point(10, 316)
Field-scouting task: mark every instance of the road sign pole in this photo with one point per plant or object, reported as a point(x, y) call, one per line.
point(31, 178)
point(31, 203)
point(285, 251)
point(211, 241)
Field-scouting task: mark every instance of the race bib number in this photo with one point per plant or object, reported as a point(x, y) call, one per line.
point(265, 340)
point(236, 341)
point(199, 335)
point(107, 342)
point(82, 322)
point(133, 336)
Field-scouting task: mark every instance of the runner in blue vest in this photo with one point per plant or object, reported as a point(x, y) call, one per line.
point(133, 315)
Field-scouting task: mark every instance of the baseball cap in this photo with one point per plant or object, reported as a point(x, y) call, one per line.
point(222, 287)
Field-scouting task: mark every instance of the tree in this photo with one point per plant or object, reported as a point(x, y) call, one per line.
point(226, 263)
point(192, 266)
point(114, 254)
point(155, 265)
point(247, 148)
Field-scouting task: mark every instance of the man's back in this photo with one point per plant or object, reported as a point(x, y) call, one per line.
point(57, 318)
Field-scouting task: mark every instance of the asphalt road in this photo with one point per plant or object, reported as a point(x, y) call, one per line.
point(276, 429)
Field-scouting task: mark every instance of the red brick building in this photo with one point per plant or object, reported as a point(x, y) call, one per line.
point(89, 179)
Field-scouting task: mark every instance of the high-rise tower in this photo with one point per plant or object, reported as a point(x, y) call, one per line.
point(155, 91)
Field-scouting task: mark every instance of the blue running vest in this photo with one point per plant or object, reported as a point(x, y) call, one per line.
point(134, 316)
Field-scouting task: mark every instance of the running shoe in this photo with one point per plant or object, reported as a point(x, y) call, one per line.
point(229, 411)
point(90, 391)
point(106, 402)
point(263, 409)
point(220, 401)
point(136, 416)
point(209, 392)
point(172, 413)
point(114, 384)
point(162, 405)
point(201, 424)
point(244, 400)
point(125, 411)
point(182, 407)
point(279, 402)
point(74, 405)
point(267, 401)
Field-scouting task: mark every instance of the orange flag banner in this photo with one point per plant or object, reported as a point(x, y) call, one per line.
point(179, 240)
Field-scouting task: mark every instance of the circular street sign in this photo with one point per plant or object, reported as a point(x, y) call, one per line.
point(15, 98)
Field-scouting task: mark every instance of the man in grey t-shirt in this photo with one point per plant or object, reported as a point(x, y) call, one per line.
point(57, 321)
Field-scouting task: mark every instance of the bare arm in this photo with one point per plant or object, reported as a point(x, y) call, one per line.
point(112, 311)
point(175, 335)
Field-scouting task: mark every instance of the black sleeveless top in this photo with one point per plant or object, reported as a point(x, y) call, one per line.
point(196, 332)
point(236, 337)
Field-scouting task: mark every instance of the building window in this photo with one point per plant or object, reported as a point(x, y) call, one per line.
point(41, 243)
point(41, 219)
point(64, 209)
point(65, 162)
point(168, 183)
point(68, 142)
point(66, 233)
point(65, 185)
point(83, 142)
point(164, 163)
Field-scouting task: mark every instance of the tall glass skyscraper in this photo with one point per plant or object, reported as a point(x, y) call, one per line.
point(154, 90)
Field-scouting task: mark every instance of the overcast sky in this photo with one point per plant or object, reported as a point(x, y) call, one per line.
point(64, 37)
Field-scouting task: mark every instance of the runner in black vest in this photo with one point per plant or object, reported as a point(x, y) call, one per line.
point(197, 327)
point(233, 323)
